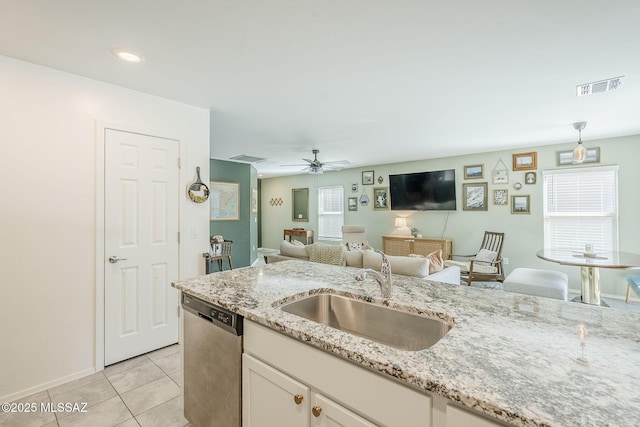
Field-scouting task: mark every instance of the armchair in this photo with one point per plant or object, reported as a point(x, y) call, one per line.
point(486, 264)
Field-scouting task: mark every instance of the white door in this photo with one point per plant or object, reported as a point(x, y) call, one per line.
point(141, 244)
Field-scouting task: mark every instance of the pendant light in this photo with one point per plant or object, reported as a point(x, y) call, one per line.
point(579, 153)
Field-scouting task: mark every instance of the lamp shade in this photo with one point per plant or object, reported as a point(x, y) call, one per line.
point(401, 222)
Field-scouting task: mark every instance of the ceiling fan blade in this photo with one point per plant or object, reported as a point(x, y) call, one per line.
point(337, 163)
point(310, 161)
point(297, 164)
point(332, 167)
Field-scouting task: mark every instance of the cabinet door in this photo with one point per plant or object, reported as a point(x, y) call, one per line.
point(327, 413)
point(270, 398)
point(425, 247)
point(392, 246)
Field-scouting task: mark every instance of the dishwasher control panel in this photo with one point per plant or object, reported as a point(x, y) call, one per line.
point(218, 316)
point(222, 317)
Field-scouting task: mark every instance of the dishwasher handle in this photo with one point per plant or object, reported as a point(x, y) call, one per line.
point(205, 317)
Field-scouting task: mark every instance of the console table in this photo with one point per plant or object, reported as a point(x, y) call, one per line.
point(405, 245)
point(307, 234)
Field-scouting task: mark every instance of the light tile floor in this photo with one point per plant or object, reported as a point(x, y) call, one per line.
point(143, 391)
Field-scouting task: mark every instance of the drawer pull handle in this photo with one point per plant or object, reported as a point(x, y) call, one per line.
point(316, 411)
point(298, 399)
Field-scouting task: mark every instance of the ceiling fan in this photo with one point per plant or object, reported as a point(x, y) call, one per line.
point(315, 167)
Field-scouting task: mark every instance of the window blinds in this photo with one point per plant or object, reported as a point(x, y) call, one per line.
point(330, 212)
point(580, 207)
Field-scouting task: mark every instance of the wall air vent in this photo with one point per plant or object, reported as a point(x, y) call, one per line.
point(248, 159)
point(599, 86)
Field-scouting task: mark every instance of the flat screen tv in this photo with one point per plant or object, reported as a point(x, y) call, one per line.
point(423, 191)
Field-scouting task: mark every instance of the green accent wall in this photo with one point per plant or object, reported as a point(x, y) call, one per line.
point(244, 231)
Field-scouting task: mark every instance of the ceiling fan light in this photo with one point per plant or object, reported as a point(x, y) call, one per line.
point(314, 170)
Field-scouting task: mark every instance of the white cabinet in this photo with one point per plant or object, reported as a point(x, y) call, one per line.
point(273, 399)
point(363, 397)
point(279, 371)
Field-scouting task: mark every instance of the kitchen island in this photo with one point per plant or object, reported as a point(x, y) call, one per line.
point(511, 357)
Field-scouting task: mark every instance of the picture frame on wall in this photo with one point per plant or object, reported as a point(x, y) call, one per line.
point(500, 176)
point(474, 196)
point(501, 197)
point(565, 158)
point(367, 177)
point(352, 203)
point(354, 187)
point(381, 198)
point(521, 204)
point(223, 201)
point(474, 172)
point(530, 178)
point(525, 161)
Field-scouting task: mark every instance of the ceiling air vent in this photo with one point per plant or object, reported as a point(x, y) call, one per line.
point(248, 159)
point(599, 87)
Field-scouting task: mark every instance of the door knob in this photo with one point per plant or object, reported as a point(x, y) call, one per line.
point(113, 259)
point(316, 411)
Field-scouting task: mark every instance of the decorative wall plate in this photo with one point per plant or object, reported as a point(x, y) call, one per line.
point(198, 192)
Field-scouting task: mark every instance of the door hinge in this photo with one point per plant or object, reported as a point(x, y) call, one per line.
point(178, 310)
point(178, 237)
point(179, 162)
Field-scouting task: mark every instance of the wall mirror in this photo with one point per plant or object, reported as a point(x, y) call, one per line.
point(300, 204)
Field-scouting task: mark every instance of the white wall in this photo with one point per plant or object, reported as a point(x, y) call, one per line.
point(47, 218)
point(524, 233)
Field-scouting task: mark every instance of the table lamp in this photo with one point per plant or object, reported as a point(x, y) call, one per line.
point(401, 227)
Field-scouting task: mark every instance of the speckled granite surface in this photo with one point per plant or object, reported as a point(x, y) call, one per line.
point(510, 356)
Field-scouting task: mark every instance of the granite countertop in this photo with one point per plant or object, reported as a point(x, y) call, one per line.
point(510, 356)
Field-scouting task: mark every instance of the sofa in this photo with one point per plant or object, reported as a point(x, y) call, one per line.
point(362, 256)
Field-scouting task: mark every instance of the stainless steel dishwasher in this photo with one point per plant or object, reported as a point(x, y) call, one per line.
point(212, 364)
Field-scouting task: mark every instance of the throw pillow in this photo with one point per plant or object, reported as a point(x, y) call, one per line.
point(289, 249)
point(356, 246)
point(297, 243)
point(327, 254)
point(485, 255)
point(436, 263)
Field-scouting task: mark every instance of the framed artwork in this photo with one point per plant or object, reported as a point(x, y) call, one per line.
point(520, 204)
point(254, 200)
point(474, 196)
point(223, 201)
point(354, 188)
point(564, 158)
point(352, 203)
point(500, 176)
point(525, 161)
point(367, 177)
point(501, 197)
point(381, 198)
point(530, 178)
point(474, 172)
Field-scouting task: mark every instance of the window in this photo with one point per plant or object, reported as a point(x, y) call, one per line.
point(330, 212)
point(580, 207)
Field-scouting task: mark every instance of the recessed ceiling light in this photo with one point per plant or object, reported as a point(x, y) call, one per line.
point(126, 55)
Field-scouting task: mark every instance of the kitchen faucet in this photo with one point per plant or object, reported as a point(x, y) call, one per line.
point(383, 278)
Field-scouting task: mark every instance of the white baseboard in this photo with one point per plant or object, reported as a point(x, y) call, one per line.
point(633, 297)
point(46, 386)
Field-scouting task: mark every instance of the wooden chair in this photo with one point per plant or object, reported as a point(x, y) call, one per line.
point(483, 269)
point(224, 253)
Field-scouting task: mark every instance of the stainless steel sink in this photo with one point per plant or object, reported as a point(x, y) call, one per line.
point(399, 329)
